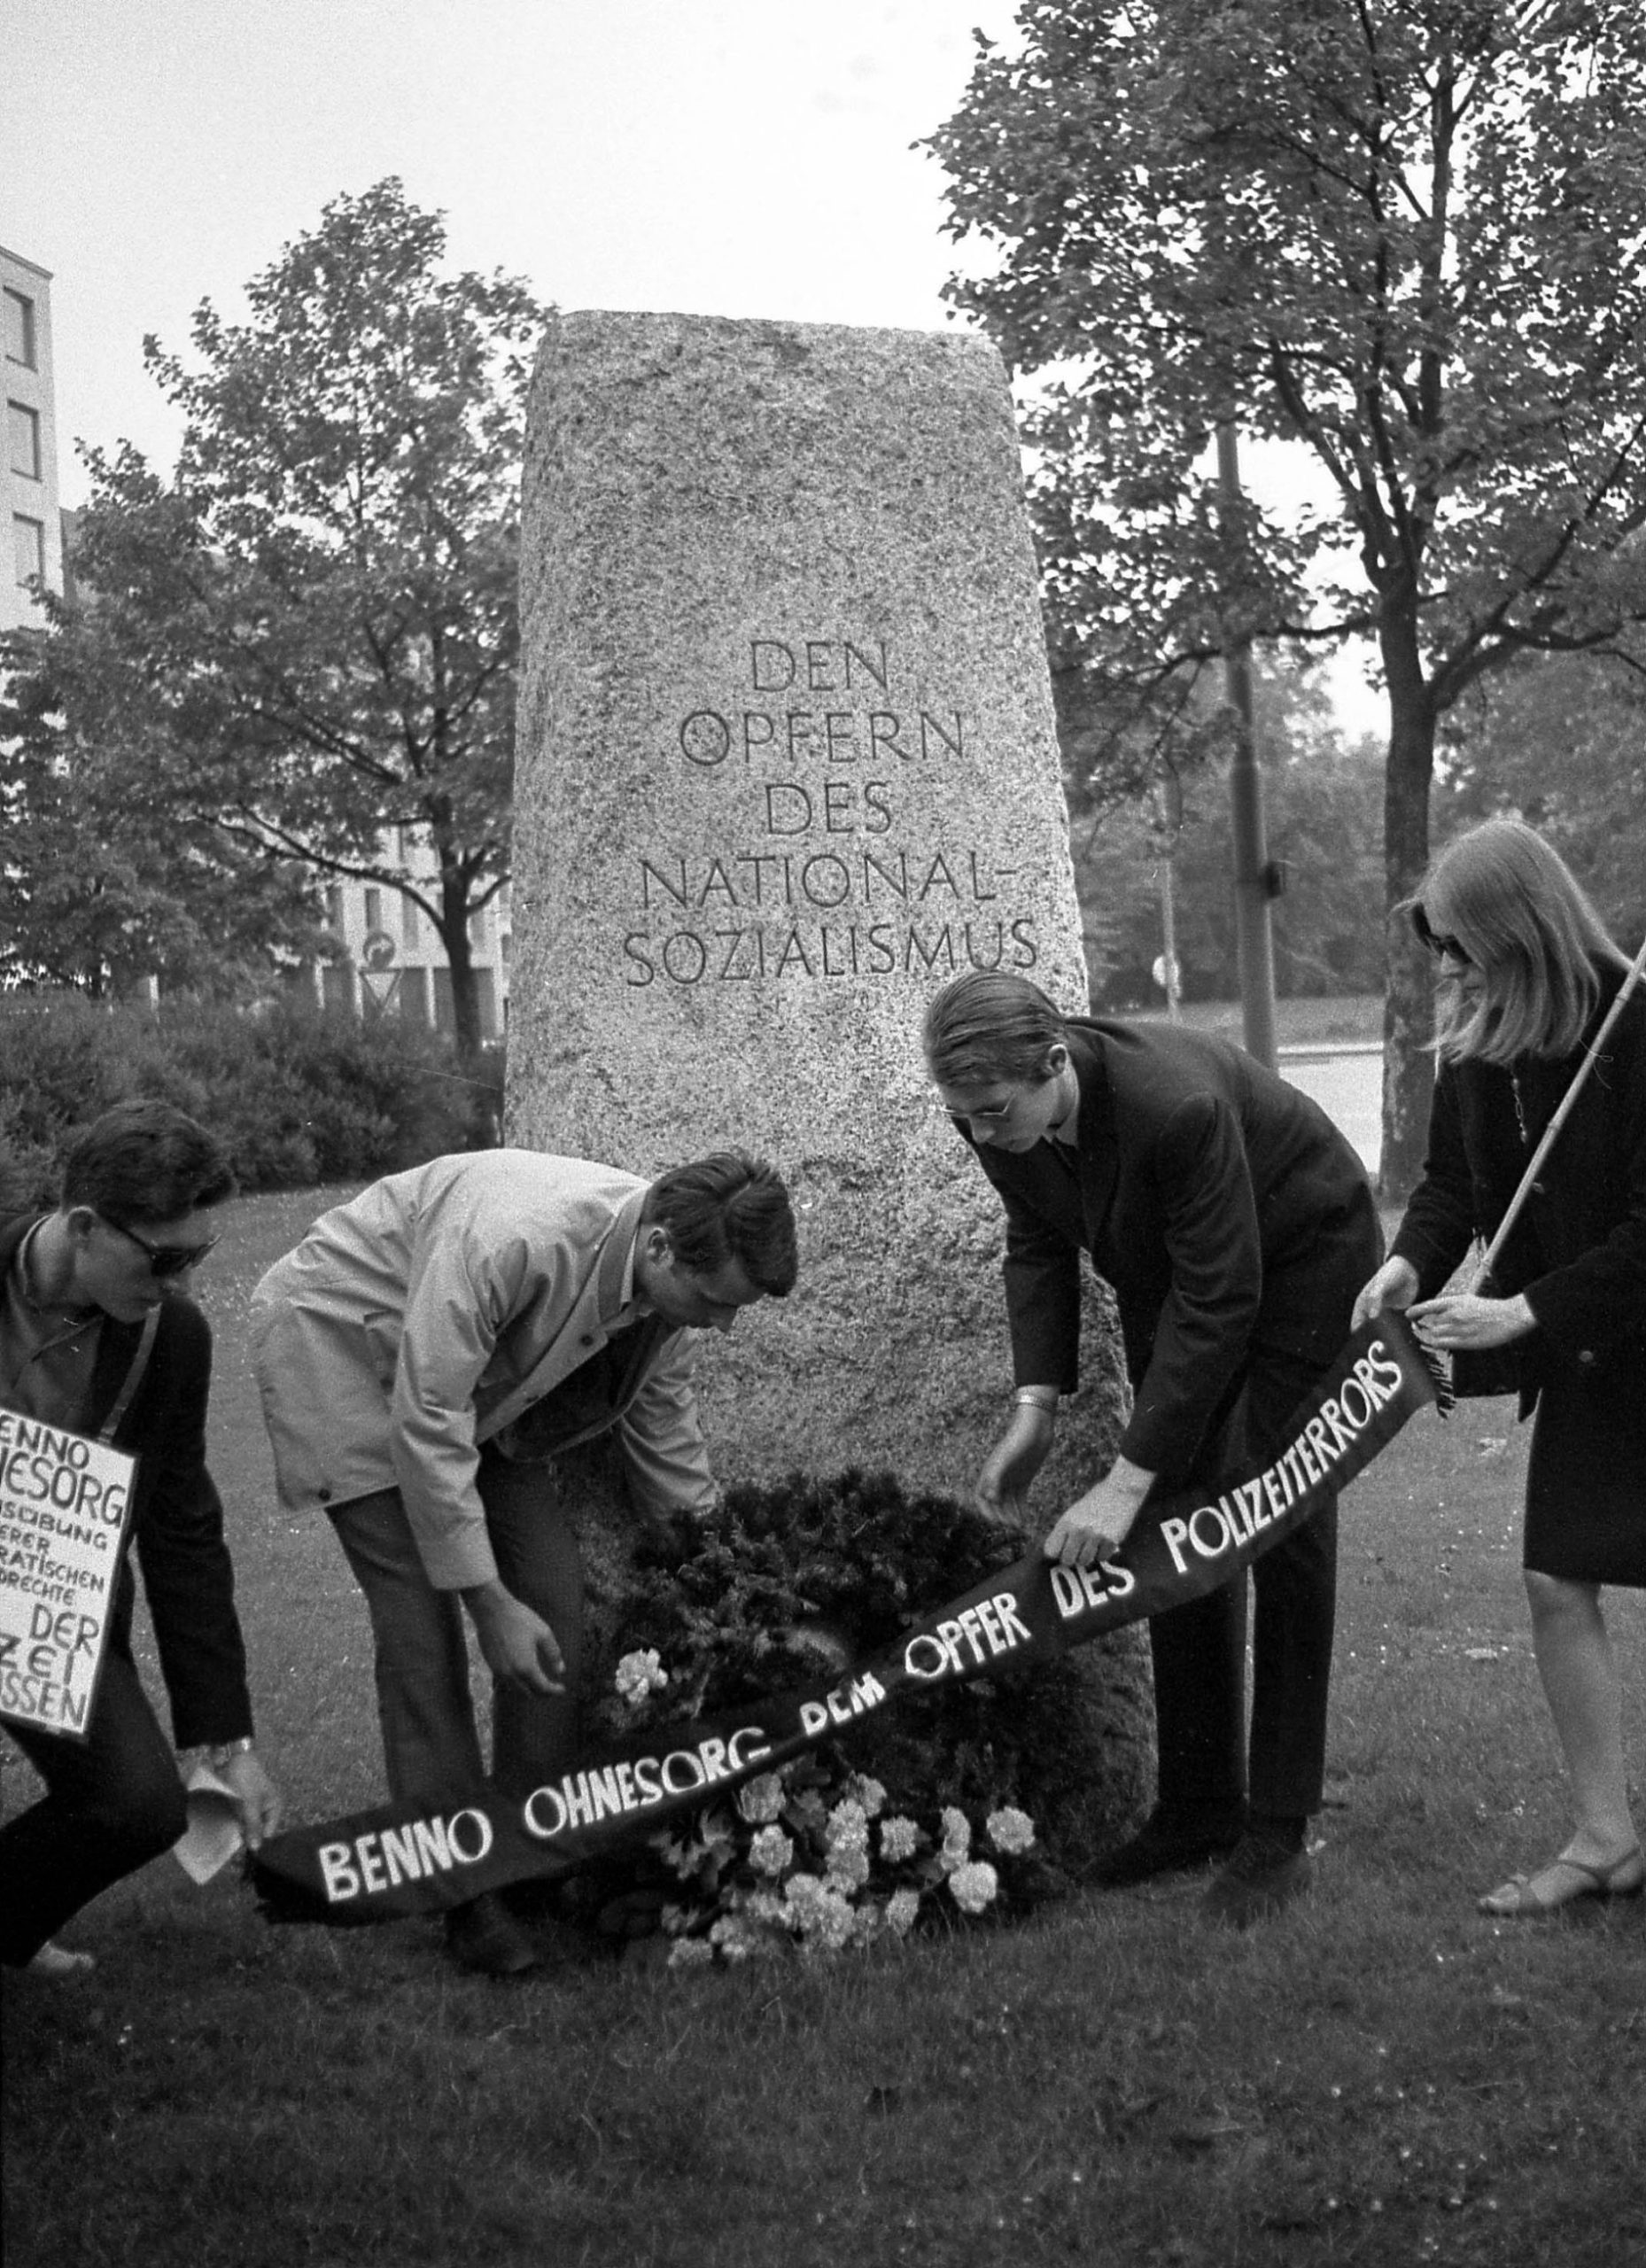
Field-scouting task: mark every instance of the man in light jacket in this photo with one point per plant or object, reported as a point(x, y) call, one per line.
point(423, 1357)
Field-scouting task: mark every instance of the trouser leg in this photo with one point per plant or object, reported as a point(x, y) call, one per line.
point(535, 1736)
point(430, 1748)
point(1293, 1620)
point(113, 1803)
point(1198, 1653)
point(1293, 1624)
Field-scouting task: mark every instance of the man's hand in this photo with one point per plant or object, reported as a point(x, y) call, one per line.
point(1096, 1525)
point(260, 1803)
point(1394, 1285)
point(519, 1648)
point(1003, 1484)
point(1464, 1319)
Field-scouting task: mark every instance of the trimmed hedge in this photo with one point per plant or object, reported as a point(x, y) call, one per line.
point(298, 1097)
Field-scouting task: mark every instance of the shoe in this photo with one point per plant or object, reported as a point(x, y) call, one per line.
point(484, 1936)
point(1168, 1842)
point(57, 1961)
point(1262, 1879)
point(1570, 1882)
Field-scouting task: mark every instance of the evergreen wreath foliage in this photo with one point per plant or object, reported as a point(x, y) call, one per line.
point(785, 1586)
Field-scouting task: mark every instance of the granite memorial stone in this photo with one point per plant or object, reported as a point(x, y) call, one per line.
point(786, 762)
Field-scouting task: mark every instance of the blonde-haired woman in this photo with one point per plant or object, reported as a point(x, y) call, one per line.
point(1528, 973)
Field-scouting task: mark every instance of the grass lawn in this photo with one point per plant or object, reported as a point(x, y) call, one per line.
point(1381, 2076)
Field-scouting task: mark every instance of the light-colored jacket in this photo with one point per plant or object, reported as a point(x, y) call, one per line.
point(420, 1319)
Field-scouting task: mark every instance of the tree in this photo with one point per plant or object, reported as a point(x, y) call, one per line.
point(311, 630)
point(1405, 234)
point(1561, 742)
point(1324, 802)
point(106, 881)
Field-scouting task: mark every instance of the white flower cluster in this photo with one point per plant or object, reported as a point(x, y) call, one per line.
point(900, 1838)
point(782, 1865)
point(639, 1673)
point(972, 1886)
point(1010, 1830)
point(760, 1800)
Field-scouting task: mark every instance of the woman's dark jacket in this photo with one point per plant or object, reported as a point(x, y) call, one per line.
point(1577, 1251)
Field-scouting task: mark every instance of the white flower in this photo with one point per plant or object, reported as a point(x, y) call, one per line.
point(690, 1953)
point(848, 1869)
point(900, 1838)
point(1010, 1829)
point(733, 1937)
point(771, 1851)
point(761, 1800)
point(827, 1922)
point(801, 1893)
point(973, 1886)
point(848, 1828)
point(957, 1833)
point(639, 1673)
point(869, 1793)
point(901, 1909)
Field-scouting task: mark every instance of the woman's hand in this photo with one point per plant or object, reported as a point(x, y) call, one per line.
point(1394, 1285)
point(1464, 1319)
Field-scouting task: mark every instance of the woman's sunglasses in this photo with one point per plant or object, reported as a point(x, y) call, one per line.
point(1443, 947)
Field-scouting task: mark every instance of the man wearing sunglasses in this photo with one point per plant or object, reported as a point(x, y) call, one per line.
point(95, 1317)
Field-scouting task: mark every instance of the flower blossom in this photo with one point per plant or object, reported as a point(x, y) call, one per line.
point(973, 1886)
point(760, 1800)
point(639, 1673)
point(957, 1834)
point(771, 1851)
point(847, 1867)
point(901, 1909)
point(690, 1953)
point(1010, 1830)
point(900, 1838)
point(869, 1793)
point(848, 1827)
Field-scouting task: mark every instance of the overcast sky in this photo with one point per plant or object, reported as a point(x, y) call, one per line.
point(713, 156)
point(716, 157)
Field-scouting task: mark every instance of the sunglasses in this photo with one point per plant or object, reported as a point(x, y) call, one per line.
point(164, 1258)
point(1443, 947)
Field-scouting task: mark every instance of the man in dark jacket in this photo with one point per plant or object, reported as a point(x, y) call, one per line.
point(1234, 1225)
point(95, 1320)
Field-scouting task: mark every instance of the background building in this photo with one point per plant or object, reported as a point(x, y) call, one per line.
point(392, 962)
point(31, 441)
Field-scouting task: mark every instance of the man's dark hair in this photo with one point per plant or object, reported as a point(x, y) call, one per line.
point(988, 1025)
point(728, 1207)
point(145, 1161)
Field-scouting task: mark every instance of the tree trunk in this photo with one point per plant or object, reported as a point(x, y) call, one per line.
point(460, 959)
point(1407, 1006)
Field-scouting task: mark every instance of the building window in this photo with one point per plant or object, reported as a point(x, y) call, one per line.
point(19, 329)
point(334, 906)
point(24, 425)
point(374, 909)
point(409, 922)
point(31, 547)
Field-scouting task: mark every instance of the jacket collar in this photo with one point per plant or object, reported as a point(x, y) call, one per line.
point(117, 1341)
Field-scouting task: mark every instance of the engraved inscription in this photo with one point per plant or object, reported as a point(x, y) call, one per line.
point(820, 888)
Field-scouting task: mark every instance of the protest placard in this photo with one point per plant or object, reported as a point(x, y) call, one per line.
point(64, 1503)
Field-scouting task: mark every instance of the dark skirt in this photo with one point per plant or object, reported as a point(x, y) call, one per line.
point(1586, 1486)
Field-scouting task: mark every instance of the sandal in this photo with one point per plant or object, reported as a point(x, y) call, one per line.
point(1520, 1896)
